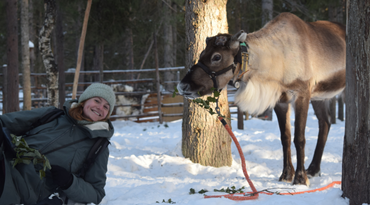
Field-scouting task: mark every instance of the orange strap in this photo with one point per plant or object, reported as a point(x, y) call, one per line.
point(254, 194)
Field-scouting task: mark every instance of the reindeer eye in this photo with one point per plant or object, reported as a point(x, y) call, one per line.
point(216, 57)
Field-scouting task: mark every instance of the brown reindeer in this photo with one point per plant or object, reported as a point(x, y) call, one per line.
point(290, 63)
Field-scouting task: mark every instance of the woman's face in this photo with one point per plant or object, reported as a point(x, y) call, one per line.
point(96, 108)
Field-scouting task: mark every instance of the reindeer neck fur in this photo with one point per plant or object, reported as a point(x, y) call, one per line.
point(261, 87)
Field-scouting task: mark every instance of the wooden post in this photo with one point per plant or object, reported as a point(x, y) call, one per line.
point(80, 49)
point(246, 116)
point(340, 109)
point(240, 120)
point(159, 98)
point(333, 103)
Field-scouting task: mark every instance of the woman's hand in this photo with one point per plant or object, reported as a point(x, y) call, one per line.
point(61, 176)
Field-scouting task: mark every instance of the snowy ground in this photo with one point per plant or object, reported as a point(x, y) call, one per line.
point(146, 165)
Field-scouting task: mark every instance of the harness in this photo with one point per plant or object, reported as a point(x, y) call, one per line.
point(213, 74)
point(242, 57)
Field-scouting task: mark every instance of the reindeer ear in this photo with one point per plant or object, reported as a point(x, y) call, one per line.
point(241, 36)
point(207, 40)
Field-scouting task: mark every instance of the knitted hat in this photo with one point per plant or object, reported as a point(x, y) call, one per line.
point(99, 90)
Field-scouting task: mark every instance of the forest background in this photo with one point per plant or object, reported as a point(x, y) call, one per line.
point(120, 33)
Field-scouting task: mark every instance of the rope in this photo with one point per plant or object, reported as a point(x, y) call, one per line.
point(254, 194)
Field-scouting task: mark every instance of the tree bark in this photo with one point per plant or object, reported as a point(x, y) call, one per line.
point(356, 151)
point(11, 79)
point(47, 54)
point(204, 139)
point(25, 38)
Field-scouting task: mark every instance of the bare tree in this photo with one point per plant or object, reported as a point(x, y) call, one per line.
point(168, 53)
point(11, 79)
point(129, 44)
point(356, 151)
point(204, 140)
point(267, 10)
point(47, 54)
point(25, 38)
point(335, 15)
point(59, 44)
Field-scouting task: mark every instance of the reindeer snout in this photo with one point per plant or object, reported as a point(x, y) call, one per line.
point(181, 87)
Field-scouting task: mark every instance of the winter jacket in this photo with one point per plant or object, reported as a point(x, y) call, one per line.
point(23, 183)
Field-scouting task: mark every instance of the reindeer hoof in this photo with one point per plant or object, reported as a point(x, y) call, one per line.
point(313, 172)
point(287, 175)
point(301, 179)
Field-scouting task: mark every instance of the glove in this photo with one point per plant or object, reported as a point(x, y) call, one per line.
point(61, 176)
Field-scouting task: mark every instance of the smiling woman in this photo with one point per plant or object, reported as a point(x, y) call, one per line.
point(66, 142)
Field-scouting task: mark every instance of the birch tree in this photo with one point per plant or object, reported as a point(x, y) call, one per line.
point(204, 139)
point(47, 54)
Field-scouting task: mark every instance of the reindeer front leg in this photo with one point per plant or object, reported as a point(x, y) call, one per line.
point(301, 110)
point(282, 111)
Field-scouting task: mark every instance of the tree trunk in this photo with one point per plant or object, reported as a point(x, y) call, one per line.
point(60, 55)
point(47, 54)
point(335, 15)
point(25, 38)
point(356, 151)
point(33, 38)
point(168, 54)
point(98, 61)
point(238, 17)
point(267, 10)
point(11, 79)
point(130, 52)
point(204, 139)
point(79, 25)
point(174, 37)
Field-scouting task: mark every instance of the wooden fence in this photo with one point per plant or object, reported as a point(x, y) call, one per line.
point(156, 90)
point(170, 108)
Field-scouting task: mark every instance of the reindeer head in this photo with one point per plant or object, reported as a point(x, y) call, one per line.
point(215, 67)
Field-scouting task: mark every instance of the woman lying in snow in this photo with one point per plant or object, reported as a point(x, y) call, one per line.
point(83, 122)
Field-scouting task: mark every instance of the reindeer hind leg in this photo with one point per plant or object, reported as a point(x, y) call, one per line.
point(322, 112)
